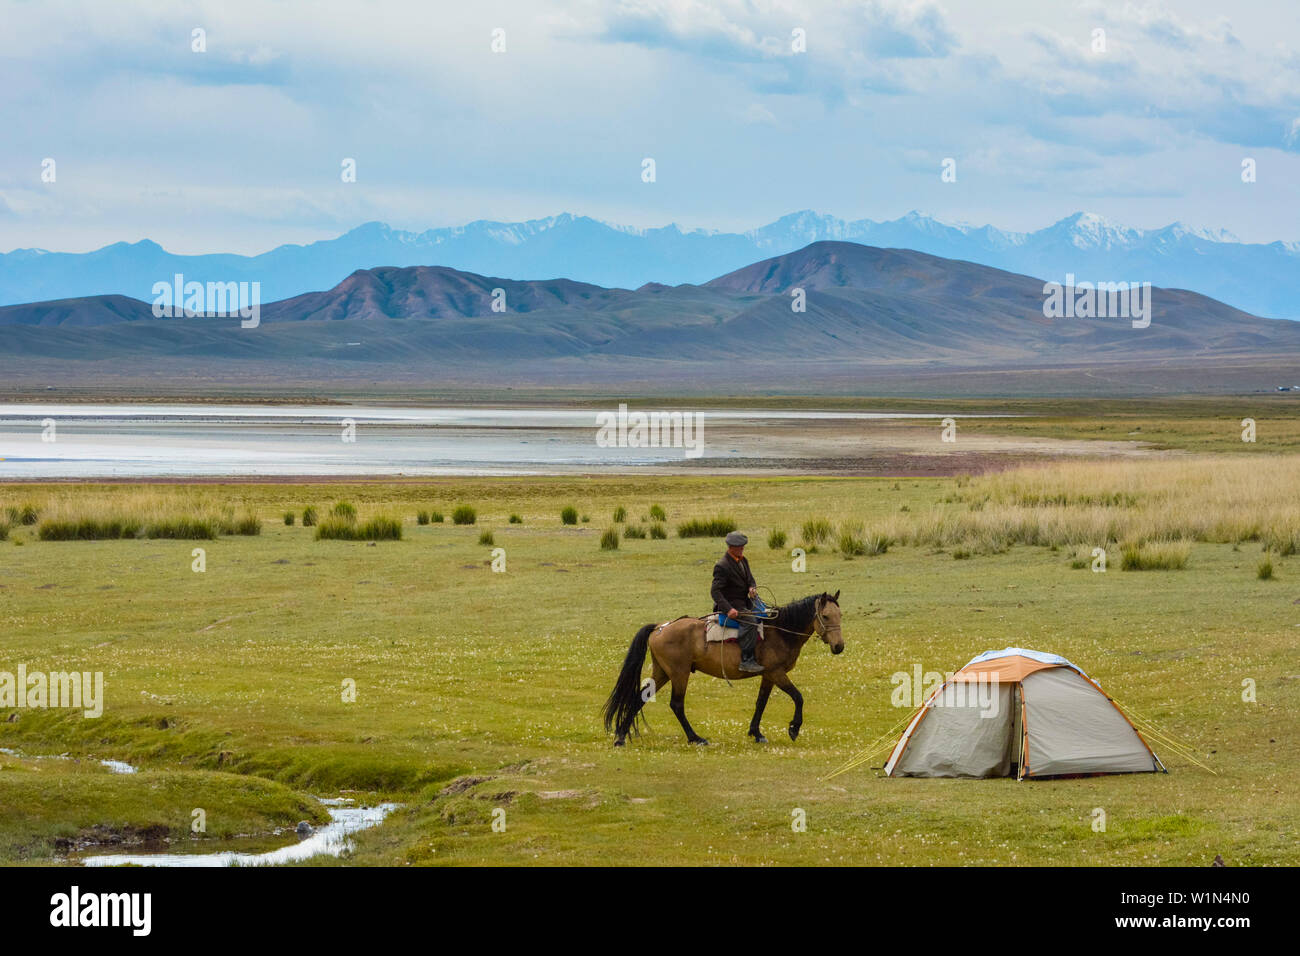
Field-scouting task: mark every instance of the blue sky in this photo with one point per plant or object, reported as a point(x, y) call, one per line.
point(239, 148)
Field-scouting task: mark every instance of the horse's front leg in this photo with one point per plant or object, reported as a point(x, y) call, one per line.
point(764, 692)
point(783, 681)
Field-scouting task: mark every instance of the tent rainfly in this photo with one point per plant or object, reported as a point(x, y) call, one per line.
point(1019, 713)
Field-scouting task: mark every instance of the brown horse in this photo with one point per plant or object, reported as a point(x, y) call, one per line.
point(678, 647)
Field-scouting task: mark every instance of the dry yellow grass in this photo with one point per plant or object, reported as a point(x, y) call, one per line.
point(1217, 499)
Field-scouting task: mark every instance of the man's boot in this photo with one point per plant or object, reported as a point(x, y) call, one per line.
point(748, 641)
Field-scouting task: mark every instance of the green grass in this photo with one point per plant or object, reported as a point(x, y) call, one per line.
point(224, 687)
point(464, 514)
point(569, 515)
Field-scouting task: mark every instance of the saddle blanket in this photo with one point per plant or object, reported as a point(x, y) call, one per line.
point(715, 633)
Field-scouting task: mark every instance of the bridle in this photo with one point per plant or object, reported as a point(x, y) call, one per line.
point(826, 629)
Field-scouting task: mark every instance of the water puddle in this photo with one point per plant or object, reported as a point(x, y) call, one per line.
point(331, 839)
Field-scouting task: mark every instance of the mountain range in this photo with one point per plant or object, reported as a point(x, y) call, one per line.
point(1263, 279)
point(865, 309)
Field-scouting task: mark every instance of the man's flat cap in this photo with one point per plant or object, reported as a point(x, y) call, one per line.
point(736, 540)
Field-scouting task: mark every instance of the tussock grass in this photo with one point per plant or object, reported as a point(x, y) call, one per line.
point(657, 513)
point(516, 519)
point(658, 531)
point(1155, 556)
point(186, 529)
point(289, 518)
point(1265, 569)
point(26, 514)
point(309, 517)
point(776, 539)
point(345, 510)
point(110, 513)
point(816, 531)
point(464, 514)
point(569, 515)
point(634, 531)
point(422, 517)
point(92, 529)
point(247, 523)
point(609, 540)
point(381, 528)
point(620, 514)
point(706, 527)
point(487, 538)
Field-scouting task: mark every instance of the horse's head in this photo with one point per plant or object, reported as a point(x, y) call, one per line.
point(827, 621)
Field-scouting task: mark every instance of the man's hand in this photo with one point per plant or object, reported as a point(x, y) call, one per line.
point(753, 592)
point(733, 614)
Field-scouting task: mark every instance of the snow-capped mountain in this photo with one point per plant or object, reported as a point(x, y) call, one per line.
point(1259, 278)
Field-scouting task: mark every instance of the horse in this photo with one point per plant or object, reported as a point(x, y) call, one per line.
point(678, 647)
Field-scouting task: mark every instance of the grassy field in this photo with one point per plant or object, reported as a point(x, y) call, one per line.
point(479, 691)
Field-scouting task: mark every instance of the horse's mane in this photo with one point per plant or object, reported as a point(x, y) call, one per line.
point(797, 615)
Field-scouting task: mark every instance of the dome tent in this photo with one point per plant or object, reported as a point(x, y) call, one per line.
point(1020, 713)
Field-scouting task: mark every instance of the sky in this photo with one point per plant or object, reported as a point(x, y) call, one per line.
point(240, 146)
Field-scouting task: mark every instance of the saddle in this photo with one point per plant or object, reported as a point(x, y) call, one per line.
point(718, 629)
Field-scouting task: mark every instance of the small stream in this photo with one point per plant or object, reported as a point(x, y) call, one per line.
point(332, 839)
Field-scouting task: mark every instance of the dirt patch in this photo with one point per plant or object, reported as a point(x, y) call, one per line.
point(461, 784)
point(102, 834)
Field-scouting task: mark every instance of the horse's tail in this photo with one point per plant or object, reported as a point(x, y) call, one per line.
point(624, 704)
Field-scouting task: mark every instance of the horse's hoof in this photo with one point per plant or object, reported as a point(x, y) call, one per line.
point(759, 738)
point(700, 741)
point(619, 742)
point(794, 732)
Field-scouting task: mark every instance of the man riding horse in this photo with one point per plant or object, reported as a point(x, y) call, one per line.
point(734, 591)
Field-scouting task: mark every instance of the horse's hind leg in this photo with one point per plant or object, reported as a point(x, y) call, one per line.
point(678, 706)
point(783, 681)
point(658, 675)
point(764, 692)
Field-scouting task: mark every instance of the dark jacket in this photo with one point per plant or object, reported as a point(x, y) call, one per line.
point(731, 583)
